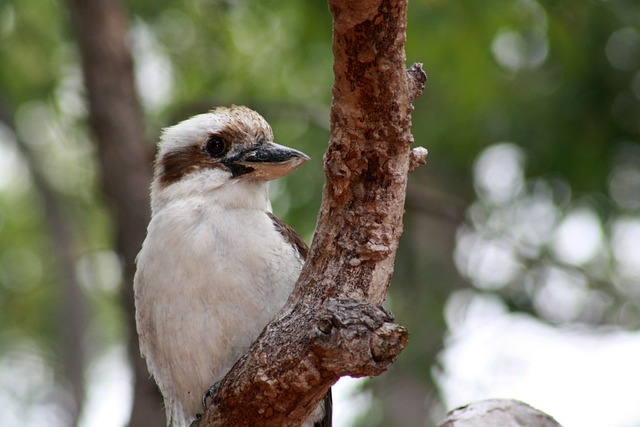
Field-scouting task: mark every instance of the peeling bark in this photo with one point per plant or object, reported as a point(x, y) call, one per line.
point(333, 324)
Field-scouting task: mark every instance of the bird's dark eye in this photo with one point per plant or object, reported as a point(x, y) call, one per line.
point(215, 146)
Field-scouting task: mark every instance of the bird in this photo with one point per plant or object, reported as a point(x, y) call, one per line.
point(216, 264)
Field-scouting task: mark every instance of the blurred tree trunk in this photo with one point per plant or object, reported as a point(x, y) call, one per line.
point(425, 278)
point(72, 303)
point(116, 120)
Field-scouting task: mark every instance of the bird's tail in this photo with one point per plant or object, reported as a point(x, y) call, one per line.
point(322, 416)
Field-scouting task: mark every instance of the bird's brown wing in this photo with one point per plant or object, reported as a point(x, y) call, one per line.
point(290, 235)
point(327, 420)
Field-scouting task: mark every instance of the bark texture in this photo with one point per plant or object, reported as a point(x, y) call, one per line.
point(117, 122)
point(333, 324)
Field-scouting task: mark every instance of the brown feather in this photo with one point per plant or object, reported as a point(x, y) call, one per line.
point(290, 236)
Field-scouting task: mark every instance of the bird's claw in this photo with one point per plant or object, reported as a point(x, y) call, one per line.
point(205, 396)
point(209, 394)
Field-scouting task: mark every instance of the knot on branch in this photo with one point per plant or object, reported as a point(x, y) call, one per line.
point(416, 79)
point(417, 157)
point(356, 338)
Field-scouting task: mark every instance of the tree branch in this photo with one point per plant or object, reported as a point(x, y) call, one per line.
point(332, 325)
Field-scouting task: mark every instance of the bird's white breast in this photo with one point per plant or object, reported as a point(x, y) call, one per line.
point(210, 277)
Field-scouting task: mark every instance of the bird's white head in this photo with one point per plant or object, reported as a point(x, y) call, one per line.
point(221, 153)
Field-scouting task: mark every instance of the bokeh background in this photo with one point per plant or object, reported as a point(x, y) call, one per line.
point(518, 273)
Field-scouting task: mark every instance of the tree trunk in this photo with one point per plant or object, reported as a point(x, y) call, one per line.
point(117, 122)
point(332, 324)
point(72, 303)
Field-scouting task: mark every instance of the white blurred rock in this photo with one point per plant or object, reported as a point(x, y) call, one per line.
point(498, 413)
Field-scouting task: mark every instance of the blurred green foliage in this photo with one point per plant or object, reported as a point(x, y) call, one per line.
point(558, 80)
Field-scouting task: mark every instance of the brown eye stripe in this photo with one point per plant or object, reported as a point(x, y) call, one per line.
point(173, 165)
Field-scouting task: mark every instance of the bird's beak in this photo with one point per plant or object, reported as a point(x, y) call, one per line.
point(271, 160)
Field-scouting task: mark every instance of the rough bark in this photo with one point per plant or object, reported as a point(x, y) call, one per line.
point(116, 120)
point(333, 324)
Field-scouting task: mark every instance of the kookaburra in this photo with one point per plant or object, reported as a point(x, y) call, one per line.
point(216, 265)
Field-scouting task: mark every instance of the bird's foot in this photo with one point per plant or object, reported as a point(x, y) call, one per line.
point(209, 394)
